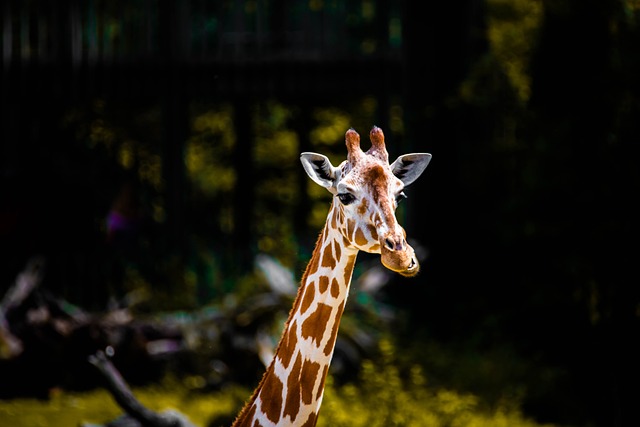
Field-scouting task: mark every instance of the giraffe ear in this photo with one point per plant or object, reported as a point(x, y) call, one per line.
point(409, 167)
point(319, 169)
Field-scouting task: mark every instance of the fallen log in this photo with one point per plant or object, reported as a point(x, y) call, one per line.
point(137, 415)
point(10, 345)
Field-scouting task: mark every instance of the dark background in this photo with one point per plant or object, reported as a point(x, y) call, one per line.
point(528, 210)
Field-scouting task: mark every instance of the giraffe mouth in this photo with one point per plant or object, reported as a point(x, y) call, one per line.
point(413, 269)
point(402, 262)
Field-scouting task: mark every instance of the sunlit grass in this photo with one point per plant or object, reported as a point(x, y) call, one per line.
point(386, 400)
point(97, 407)
point(62, 409)
point(386, 394)
point(383, 400)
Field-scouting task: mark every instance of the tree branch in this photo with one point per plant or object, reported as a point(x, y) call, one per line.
point(125, 398)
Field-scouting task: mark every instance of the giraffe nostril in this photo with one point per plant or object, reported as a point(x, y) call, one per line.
point(389, 244)
point(395, 245)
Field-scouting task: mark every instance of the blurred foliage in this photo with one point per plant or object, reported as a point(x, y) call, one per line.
point(208, 151)
point(211, 171)
point(512, 33)
point(126, 139)
point(403, 396)
point(275, 156)
point(499, 82)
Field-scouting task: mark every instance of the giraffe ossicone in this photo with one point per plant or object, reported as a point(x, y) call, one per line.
point(366, 191)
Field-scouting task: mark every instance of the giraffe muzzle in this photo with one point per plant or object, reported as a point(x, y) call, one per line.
point(397, 255)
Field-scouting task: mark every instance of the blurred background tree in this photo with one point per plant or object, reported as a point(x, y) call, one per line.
point(155, 144)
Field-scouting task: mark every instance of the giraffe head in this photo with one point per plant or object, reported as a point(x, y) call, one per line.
point(366, 191)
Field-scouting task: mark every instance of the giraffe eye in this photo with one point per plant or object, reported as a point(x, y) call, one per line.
point(346, 198)
point(400, 197)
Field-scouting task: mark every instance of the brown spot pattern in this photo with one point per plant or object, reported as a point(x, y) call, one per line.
point(308, 379)
point(316, 323)
point(334, 218)
point(335, 288)
point(312, 267)
point(327, 257)
point(334, 332)
point(351, 224)
point(289, 342)
point(309, 295)
point(323, 284)
point(322, 380)
point(246, 419)
point(362, 208)
point(336, 249)
point(311, 421)
point(271, 396)
point(292, 405)
point(375, 175)
point(359, 237)
point(373, 232)
point(348, 269)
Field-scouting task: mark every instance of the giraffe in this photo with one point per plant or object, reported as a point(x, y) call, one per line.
point(366, 191)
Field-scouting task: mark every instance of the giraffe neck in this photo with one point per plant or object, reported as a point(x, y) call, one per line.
point(291, 390)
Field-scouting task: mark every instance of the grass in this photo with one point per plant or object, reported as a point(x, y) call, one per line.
point(390, 403)
point(71, 409)
point(385, 395)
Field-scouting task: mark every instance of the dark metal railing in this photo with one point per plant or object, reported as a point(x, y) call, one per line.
point(195, 31)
